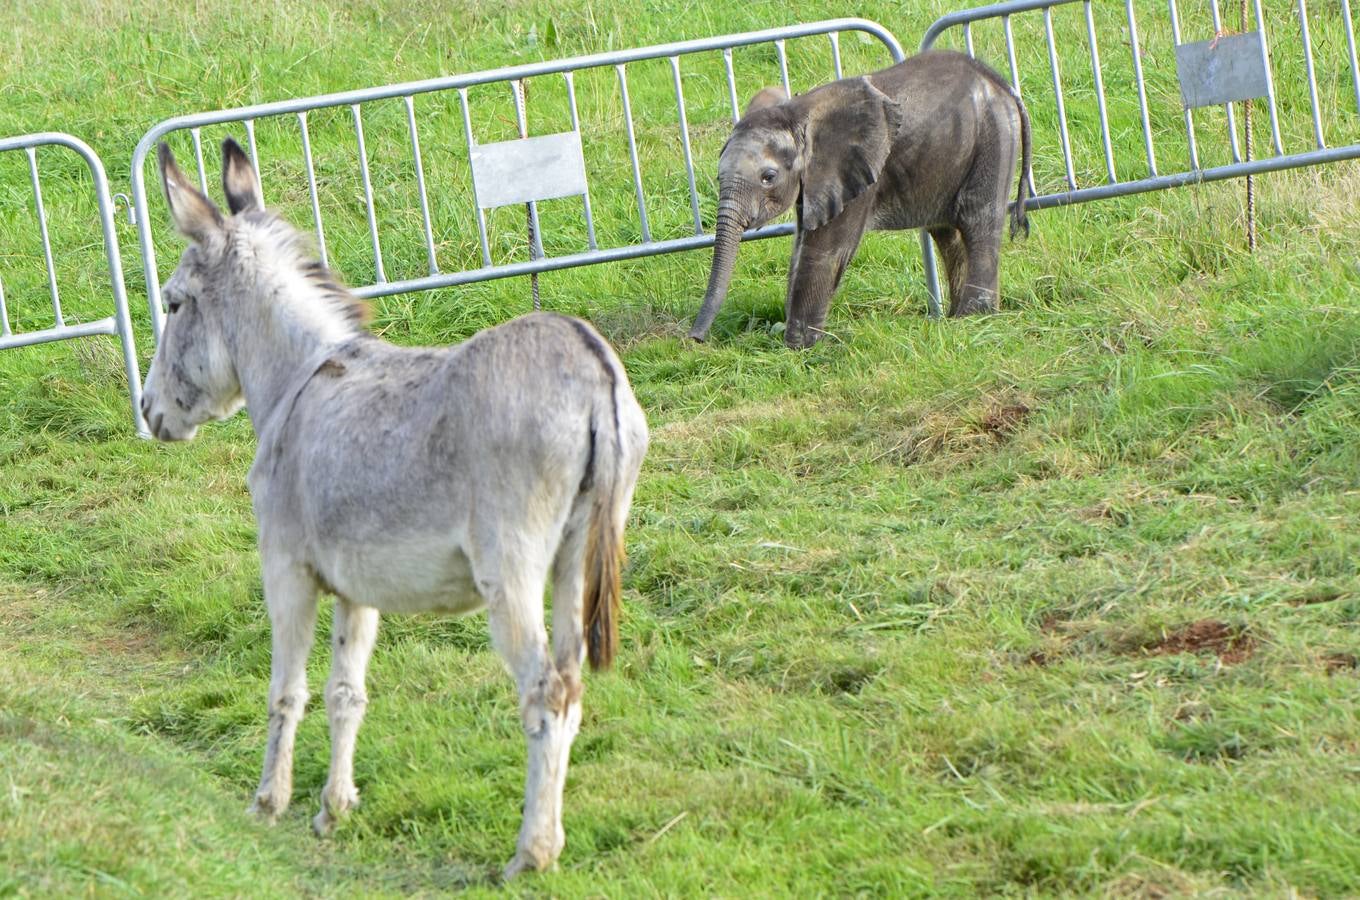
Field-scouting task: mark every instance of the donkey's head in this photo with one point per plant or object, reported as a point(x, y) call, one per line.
point(193, 377)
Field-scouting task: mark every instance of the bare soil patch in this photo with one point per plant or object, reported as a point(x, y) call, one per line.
point(1231, 643)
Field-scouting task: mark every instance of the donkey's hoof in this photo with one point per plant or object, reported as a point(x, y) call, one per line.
point(267, 808)
point(332, 811)
point(264, 810)
point(526, 862)
point(323, 823)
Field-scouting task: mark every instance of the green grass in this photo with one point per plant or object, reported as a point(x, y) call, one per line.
point(907, 613)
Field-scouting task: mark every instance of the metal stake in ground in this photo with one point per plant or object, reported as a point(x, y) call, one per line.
point(522, 116)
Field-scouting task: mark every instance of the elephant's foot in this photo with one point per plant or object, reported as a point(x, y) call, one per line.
point(973, 306)
point(800, 337)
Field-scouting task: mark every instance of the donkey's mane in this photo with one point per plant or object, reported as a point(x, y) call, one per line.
point(297, 248)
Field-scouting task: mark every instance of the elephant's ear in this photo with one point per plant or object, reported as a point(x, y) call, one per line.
point(851, 126)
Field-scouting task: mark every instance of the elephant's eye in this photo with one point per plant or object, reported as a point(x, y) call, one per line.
point(768, 176)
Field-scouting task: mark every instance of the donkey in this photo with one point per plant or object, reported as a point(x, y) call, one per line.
point(402, 480)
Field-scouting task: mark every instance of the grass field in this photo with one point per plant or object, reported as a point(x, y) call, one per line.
point(1060, 601)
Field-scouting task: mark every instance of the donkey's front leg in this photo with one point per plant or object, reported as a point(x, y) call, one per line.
point(519, 636)
point(355, 630)
point(290, 594)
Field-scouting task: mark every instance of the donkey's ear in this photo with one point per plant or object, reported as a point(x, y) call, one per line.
point(194, 214)
point(239, 181)
point(851, 128)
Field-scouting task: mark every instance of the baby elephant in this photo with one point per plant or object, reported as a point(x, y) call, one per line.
point(929, 143)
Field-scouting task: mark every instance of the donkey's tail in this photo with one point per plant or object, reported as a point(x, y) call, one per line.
point(609, 496)
point(1019, 218)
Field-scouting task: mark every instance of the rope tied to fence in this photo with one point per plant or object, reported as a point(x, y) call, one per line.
point(522, 117)
point(1246, 126)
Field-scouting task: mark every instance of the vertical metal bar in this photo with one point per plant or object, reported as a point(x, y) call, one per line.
point(684, 144)
point(122, 317)
point(311, 187)
point(1270, 81)
point(368, 193)
point(1015, 83)
point(1189, 119)
point(1312, 77)
point(633, 154)
point(968, 39)
point(420, 182)
point(1227, 107)
point(1100, 93)
point(4, 313)
point(835, 38)
point(1058, 96)
point(1350, 46)
point(46, 240)
point(1142, 88)
point(254, 153)
point(198, 156)
point(731, 84)
point(932, 274)
point(516, 94)
point(576, 127)
point(481, 216)
point(783, 66)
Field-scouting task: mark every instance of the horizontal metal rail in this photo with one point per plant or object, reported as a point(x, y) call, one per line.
point(119, 323)
point(645, 245)
point(556, 263)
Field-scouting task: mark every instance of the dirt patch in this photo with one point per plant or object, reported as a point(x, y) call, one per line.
point(1004, 419)
point(1231, 643)
point(1337, 663)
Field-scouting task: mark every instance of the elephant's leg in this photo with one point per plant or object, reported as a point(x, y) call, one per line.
point(819, 263)
point(981, 289)
point(949, 242)
point(793, 268)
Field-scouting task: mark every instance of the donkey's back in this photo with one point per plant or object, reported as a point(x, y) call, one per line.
point(408, 477)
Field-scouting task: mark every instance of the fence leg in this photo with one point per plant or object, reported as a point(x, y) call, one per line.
point(932, 276)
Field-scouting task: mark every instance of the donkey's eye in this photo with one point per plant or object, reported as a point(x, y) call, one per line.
point(173, 306)
point(768, 176)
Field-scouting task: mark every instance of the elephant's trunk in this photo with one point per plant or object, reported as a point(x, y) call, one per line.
point(727, 235)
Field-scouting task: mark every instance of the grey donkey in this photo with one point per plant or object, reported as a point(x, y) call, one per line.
point(929, 143)
point(402, 480)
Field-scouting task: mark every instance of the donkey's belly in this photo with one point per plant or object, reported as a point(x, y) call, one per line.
point(411, 576)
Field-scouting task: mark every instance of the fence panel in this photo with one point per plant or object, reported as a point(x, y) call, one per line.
point(24, 283)
point(1119, 97)
point(408, 183)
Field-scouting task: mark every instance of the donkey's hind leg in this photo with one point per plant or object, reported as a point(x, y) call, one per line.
point(352, 637)
point(569, 647)
point(290, 595)
point(515, 610)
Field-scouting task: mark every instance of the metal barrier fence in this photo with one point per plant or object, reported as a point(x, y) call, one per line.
point(117, 324)
point(663, 212)
point(1156, 110)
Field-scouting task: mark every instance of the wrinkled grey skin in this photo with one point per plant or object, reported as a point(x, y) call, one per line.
point(930, 143)
point(402, 480)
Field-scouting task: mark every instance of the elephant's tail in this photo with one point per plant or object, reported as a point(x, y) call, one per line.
point(1019, 218)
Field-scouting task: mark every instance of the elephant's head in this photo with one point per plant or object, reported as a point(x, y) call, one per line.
point(821, 150)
